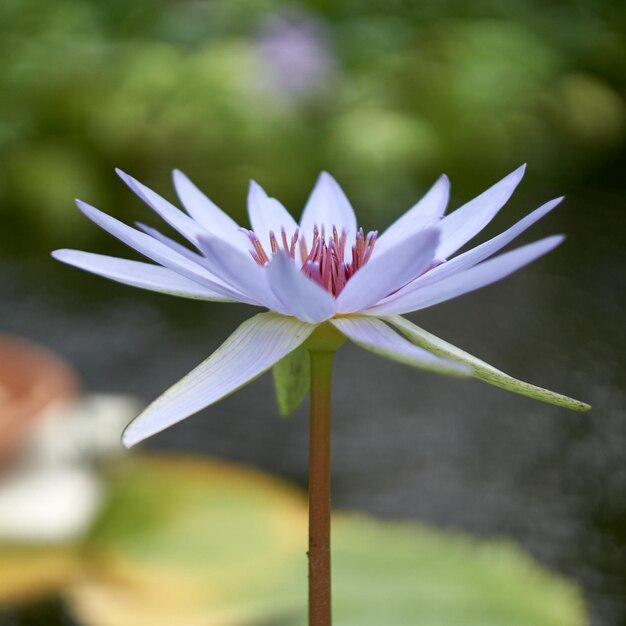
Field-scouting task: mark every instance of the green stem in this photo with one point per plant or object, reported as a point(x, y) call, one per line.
point(319, 489)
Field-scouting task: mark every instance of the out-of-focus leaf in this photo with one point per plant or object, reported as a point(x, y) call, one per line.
point(406, 574)
point(195, 542)
point(28, 573)
point(201, 543)
point(292, 379)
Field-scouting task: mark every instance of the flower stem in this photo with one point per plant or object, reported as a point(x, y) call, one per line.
point(319, 489)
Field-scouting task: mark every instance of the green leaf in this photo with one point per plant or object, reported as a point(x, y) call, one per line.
point(405, 573)
point(292, 380)
point(196, 542)
point(481, 370)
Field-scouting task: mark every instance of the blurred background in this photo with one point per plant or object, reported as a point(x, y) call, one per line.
point(385, 96)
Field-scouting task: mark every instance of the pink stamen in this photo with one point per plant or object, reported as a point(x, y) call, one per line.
point(325, 261)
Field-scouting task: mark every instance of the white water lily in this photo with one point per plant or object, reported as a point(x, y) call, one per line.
point(322, 271)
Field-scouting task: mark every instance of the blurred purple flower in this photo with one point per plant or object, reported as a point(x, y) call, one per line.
point(295, 55)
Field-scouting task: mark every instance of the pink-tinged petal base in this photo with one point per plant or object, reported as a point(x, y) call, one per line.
point(298, 294)
point(389, 271)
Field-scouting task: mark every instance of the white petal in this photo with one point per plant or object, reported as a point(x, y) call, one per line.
point(297, 293)
point(187, 227)
point(238, 269)
point(467, 221)
point(157, 251)
point(479, 253)
point(207, 213)
point(480, 369)
point(137, 274)
point(377, 337)
point(427, 212)
point(268, 214)
point(252, 349)
point(469, 280)
point(389, 271)
point(328, 206)
point(170, 243)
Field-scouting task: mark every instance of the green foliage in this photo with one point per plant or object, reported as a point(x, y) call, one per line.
point(292, 380)
point(194, 542)
point(412, 91)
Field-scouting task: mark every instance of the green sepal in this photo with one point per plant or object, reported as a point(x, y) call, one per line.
point(481, 370)
point(292, 380)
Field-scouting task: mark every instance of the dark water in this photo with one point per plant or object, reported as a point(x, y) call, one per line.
point(406, 443)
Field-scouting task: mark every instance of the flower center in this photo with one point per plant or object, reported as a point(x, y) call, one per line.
point(325, 260)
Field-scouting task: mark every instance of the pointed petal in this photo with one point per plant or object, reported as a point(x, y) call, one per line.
point(157, 251)
point(463, 282)
point(207, 213)
point(268, 214)
point(474, 256)
point(187, 227)
point(377, 337)
point(328, 206)
point(238, 269)
point(467, 221)
point(389, 271)
point(480, 369)
point(427, 212)
point(252, 349)
point(170, 243)
point(297, 293)
point(137, 274)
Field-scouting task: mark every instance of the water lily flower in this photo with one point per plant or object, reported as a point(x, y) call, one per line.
point(321, 273)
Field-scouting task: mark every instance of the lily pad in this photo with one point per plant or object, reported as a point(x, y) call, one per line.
point(201, 543)
point(194, 542)
point(30, 572)
point(406, 574)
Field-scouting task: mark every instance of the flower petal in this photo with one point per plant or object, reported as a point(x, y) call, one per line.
point(480, 369)
point(469, 280)
point(252, 349)
point(158, 252)
point(137, 274)
point(326, 207)
point(389, 271)
point(427, 212)
point(170, 243)
point(377, 337)
point(297, 293)
point(479, 253)
point(238, 269)
point(467, 221)
point(202, 209)
point(268, 214)
point(187, 227)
